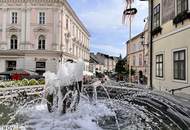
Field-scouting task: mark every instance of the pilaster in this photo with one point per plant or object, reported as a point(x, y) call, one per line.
point(23, 11)
point(4, 25)
point(28, 26)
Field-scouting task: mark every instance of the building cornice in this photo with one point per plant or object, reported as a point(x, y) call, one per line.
point(23, 52)
point(172, 33)
point(72, 12)
point(35, 52)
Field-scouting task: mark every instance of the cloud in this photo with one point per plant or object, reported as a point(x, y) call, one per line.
point(104, 15)
point(108, 15)
point(103, 18)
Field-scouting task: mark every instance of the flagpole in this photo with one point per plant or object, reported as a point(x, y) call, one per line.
point(130, 28)
point(129, 12)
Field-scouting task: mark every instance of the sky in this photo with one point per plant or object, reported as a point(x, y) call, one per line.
point(103, 19)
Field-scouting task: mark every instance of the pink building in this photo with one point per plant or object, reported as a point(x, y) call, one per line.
point(35, 33)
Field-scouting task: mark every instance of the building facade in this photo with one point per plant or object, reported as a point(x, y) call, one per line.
point(109, 62)
point(95, 65)
point(171, 44)
point(138, 55)
point(34, 34)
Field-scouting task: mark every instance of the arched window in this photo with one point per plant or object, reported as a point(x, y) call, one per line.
point(14, 42)
point(41, 42)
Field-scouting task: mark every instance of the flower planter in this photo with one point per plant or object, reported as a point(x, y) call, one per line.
point(181, 17)
point(156, 30)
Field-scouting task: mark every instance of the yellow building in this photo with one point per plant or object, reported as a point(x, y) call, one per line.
point(171, 44)
point(138, 55)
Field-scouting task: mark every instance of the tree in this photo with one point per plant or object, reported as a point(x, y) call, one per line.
point(122, 70)
point(120, 67)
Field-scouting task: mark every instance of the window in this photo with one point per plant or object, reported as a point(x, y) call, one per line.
point(14, 18)
point(134, 60)
point(40, 67)
point(42, 18)
point(140, 60)
point(41, 43)
point(73, 29)
point(10, 65)
point(182, 5)
point(67, 45)
point(73, 49)
point(156, 16)
point(159, 66)
point(179, 65)
point(13, 42)
point(67, 24)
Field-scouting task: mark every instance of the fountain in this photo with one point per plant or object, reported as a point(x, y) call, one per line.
point(62, 91)
point(98, 106)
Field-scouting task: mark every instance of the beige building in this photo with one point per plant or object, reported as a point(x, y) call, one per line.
point(95, 64)
point(138, 55)
point(109, 62)
point(35, 33)
point(171, 45)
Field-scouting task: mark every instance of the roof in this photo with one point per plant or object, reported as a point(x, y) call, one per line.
point(107, 56)
point(95, 59)
point(116, 58)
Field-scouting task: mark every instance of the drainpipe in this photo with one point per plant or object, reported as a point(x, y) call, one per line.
point(61, 35)
point(151, 42)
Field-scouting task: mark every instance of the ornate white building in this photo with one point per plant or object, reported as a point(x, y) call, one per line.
point(35, 33)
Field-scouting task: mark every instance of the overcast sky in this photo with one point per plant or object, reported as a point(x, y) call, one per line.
point(103, 19)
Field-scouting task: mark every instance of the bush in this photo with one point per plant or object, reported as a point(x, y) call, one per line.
point(2, 85)
point(33, 82)
point(41, 81)
point(25, 82)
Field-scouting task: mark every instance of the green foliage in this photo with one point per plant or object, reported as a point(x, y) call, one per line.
point(33, 82)
point(16, 83)
point(41, 81)
point(123, 70)
point(181, 17)
point(120, 67)
point(156, 30)
point(2, 86)
point(25, 82)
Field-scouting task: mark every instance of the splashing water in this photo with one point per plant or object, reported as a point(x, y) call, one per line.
point(109, 106)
